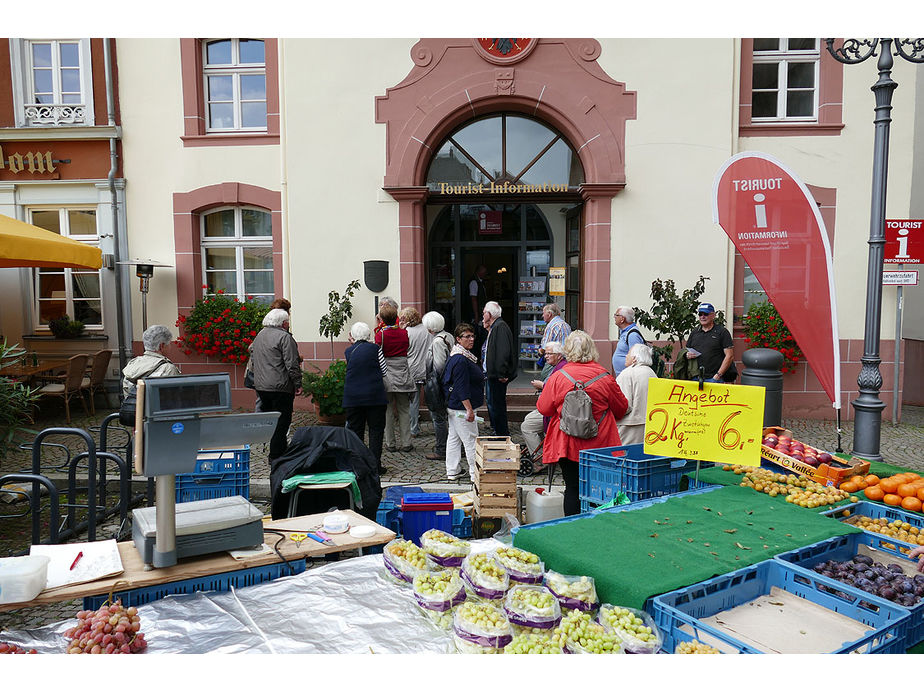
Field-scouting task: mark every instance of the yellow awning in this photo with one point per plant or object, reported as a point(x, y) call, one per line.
point(25, 245)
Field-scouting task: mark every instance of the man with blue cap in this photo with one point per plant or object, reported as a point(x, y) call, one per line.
point(712, 345)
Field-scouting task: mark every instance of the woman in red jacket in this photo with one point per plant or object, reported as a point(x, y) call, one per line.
point(608, 405)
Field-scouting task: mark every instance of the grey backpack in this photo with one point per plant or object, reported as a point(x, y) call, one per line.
point(577, 417)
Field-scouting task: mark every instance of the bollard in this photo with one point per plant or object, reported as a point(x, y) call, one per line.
point(762, 367)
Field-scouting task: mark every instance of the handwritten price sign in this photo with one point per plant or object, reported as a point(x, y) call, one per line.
point(720, 423)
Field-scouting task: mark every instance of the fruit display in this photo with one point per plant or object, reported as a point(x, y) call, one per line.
point(403, 560)
point(480, 628)
point(522, 566)
point(534, 643)
point(437, 592)
point(532, 606)
point(789, 446)
point(905, 490)
point(576, 592)
point(886, 581)
point(443, 548)
point(110, 629)
point(779, 447)
point(637, 629)
point(10, 648)
point(580, 634)
point(796, 489)
point(895, 529)
point(695, 647)
point(485, 577)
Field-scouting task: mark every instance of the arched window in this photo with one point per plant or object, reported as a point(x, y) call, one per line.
point(505, 147)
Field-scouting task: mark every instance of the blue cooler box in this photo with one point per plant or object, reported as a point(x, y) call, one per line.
point(423, 511)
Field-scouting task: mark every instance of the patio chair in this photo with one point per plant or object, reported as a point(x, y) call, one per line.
point(69, 385)
point(95, 381)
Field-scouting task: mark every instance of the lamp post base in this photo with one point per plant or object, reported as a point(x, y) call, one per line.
point(867, 424)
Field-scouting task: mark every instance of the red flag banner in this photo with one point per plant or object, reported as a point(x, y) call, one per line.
point(775, 224)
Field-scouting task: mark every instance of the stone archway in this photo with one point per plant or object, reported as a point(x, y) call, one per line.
point(556, 80)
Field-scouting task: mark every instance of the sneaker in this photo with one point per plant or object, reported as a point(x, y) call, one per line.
point(407, 448)
point(434, 456)
point(453, 478)
point(391, 448)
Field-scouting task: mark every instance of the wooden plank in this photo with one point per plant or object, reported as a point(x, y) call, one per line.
point(486, 485)
point(502, 477)
point(496, 503)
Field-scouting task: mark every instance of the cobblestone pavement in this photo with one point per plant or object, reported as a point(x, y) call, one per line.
point(901, 445)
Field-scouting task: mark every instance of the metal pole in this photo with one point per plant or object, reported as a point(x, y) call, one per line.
point(898, 349)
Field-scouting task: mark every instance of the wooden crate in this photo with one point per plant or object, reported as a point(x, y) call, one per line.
point(495, 505)
point(497, 453)
point(495, 482)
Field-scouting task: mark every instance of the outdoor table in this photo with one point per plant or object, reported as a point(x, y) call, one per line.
point(26, 372)
point(135, 577)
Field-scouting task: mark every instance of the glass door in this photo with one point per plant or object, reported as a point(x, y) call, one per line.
point(573, 305)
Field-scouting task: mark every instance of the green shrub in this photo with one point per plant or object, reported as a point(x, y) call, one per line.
point(326, 387)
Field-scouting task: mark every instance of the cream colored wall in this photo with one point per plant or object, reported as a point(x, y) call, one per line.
point(913, 313)
point(339, 215)
point(157, 164)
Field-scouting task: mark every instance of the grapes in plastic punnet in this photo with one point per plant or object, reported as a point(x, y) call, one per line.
point(534, 643)
point(582, 635)
point(574, 592)
point(403, 559)
point(522, 566)
point(437, 592)
point(480, 628)
point(444, 548)
point(639, 633)
point(484, 576)
point(532, 606)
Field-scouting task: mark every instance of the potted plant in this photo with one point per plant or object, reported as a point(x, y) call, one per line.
point(339, 310)
point(17, 403)
point(65, 328)
point(221, 327)
point(326, 391)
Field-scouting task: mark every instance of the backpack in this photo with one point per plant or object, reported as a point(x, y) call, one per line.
point(127, 408)
point(658, 365)
point(577, 419)
point(434, 395)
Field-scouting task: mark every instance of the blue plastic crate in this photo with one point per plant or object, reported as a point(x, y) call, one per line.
point(389, 515)
point(876, 510)
point(423, 511)
point(602, 474)
point(218, 474)
point(588, 507)
point(461, 523)
point(686, 607)
point(208, 583)
point(394, 494)
point(845, 547)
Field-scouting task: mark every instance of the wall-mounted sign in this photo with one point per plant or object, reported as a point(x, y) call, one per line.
point(505, 188)
point(503, 51)
point(718, 423)
point(32, 162)
point(900, 278)
point(556, 281)
point(904, 241)
point(490, 222)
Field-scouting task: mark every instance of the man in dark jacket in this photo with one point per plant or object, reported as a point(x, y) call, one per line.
point(499, 359)
point(277, 374)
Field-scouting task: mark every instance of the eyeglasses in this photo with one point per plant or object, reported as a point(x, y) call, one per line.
point(467, 336)
point(701, 314)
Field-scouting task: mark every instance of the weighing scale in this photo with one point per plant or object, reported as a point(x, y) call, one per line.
point(171, 426)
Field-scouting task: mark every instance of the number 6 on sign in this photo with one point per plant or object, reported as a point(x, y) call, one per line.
point(718, 423)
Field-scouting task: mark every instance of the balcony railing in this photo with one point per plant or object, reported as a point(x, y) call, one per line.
point(55, 114)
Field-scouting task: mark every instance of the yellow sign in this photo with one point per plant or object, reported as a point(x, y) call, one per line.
point(33, 162)
point(720, 423)
point(556, 281)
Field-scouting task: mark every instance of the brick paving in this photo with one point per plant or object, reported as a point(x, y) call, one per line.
point(901, 445)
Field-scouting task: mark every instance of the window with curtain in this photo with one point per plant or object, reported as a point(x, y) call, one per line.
point(784, 83)
point(76, 293)
point(234, 74)
point(237, 253)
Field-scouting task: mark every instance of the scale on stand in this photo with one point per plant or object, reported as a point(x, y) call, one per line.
point(170, 429)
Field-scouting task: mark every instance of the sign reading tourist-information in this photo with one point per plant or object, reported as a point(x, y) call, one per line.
point(904, 241)
point(720, 423)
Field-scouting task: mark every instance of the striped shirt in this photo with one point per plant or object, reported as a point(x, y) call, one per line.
point(555, 331)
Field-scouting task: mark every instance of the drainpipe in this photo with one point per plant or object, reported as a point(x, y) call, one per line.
point(124, 319)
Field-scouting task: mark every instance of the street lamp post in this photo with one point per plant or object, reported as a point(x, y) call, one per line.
point(867, 406)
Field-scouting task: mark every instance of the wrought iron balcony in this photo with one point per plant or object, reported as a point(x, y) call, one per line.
point(55, 114)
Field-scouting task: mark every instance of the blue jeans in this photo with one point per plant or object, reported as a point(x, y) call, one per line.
point(496, 396)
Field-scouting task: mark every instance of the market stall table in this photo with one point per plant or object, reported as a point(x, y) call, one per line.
point(135, 580)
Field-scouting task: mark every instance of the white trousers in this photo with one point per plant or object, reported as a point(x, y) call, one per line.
point(462, 433)
point(531, 428)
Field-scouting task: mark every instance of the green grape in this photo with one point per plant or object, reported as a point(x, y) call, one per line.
point(581, 633)
point(484, 570)
point(695, 647)
point(582, 588)
point(533, 643)
point(624, 621)
point(482, 617)
point(439, 543)
point(531, 599)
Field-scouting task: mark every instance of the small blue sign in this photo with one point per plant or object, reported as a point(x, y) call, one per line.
point(177, 428)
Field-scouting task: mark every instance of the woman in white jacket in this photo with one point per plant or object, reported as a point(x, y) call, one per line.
point(152, 362)
point(633, 381)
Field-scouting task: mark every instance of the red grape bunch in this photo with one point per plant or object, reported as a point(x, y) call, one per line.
point(10, 648)
point(110, 629)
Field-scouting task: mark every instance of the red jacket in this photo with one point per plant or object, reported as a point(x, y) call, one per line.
point(393, 340)
point(605, 395)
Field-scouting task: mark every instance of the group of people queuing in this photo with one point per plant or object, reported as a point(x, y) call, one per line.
point(405, 357)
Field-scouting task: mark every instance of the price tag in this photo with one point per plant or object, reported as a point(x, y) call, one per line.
point(720, 423)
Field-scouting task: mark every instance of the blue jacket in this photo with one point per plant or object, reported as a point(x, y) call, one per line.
point(463, 379)
point(363, 386)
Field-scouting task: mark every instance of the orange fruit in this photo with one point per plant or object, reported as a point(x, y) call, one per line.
point(913, 475)
point(857, 479)
point(874, 493)
point(906, 490)
point(920, 494)
point(889, 485)
point(892, 499)
point(872, 479)
point(849, 487)
point(912, 503)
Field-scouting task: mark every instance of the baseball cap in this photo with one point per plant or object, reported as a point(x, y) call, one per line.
point(705, 308)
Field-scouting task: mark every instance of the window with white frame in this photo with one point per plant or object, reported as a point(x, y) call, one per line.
point(785, 79)
point(234, 71)
point(72, 292)
point(237, 253)
point(52, 82)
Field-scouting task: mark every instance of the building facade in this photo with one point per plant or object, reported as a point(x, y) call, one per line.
point(279, 167)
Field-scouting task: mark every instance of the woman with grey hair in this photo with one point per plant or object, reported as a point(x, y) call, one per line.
point(277, 374)
point(608, 405)
point(153, 362)
point(633, 381)
point(364, 397)
point(418, 349)
point(535, 424)
point(440, 345)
